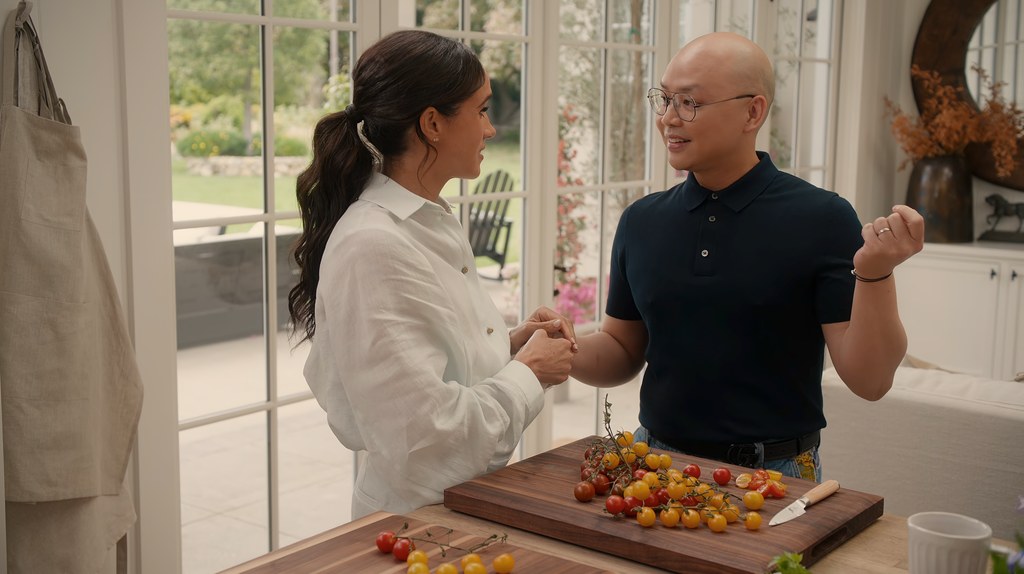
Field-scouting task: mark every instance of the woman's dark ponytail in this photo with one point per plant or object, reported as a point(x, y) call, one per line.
point(341, 167)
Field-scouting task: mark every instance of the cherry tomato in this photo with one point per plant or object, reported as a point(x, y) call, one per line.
point(731, 512)
point(629, 456)
point(641, 448)
point(418, 568)
point(691, 518)
point(602, 484)
point(653, 480)
point(717, 500)
point(652, 461)
point(402, 548)
point(669, 517)
point(386, 541)
point(675, 490)
point(610, 460)
point(692, 470)
point(689, 501)
point(624, 439)
point(447, 569)
point(615, 504)
point(743, 480)
point(632, 505)
point(663, 496)
point(474, 568)
point(722, 476)
point(472, 558)
point(652, 501)
point(753, 500)
point(646, 517)
point(503, 563)
point(417, 556)
point(717, 523)
point(774, 474)
point(641, 489)
point(639, 474)
point(752, 521)
point(584, 491)
point(666, 461)
point(588, 473)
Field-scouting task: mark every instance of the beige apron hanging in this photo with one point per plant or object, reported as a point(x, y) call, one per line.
point(71, 391)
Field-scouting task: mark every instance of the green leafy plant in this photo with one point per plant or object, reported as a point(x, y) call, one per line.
point(788, 563)
point(206, 143)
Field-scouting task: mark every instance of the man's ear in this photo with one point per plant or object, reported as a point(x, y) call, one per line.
point(430, 124)
point(757, 112)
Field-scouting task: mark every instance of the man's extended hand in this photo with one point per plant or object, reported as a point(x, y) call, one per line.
point(889, 241)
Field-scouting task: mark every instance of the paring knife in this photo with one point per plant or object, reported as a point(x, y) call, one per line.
point(799, 506)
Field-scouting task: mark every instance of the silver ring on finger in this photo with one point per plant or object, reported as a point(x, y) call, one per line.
point(883, 230)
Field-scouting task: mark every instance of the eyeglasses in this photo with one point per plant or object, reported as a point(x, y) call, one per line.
point(684, 104)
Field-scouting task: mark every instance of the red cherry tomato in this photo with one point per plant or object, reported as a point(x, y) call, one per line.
point(639, 473)
point(584, 491)
point(692, 470)
point(663, 496)
point(402, 548)
point(652, 501)
point(602, 484)
point(722, 476)
point(615, 504)
point(632, 505)
point(386, 541)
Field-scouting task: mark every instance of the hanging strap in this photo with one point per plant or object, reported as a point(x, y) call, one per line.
point(20, 27)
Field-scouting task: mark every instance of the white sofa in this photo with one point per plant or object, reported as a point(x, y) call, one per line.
point(936, 441)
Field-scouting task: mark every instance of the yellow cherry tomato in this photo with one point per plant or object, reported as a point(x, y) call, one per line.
point(641, 448)
point(731, 512)
point(774, 474)
point(666, 461)
point(417, 556)
point(717, 500)
point(447, 569)
point(652, 461)
point(503, 563)
point(629, 456)
point(628, 491)
point(646, 517)
point(474, 568)
point(669, 517)
point(641, 489)
point(624, 439)
point(743, 479)
point(471, 558)
point(753, 500)
point(652, 479)
point(418, 568)
point(610, 460)
point(703, 490)
point(752, 521)
point(691, 518)
point(675, 490)
point(675, 475)
point(717, 523)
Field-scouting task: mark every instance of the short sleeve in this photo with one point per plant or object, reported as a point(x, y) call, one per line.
point(835, 284)
point(621, 304)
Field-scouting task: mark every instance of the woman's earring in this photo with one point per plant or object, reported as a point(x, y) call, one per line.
point(435, 140)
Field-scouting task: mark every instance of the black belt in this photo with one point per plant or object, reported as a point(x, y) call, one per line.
point(745, 454)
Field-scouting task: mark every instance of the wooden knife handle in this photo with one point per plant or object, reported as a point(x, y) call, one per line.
point(821, 491)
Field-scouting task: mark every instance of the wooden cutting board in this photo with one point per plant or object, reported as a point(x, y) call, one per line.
point(355, 551)
point(536, 495)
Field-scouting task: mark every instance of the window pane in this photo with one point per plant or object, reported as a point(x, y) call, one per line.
point(224, 505)
point(577, 258)
point(215, 116)
point(699, 17)
point(582, 20)
point(497, 16)
point(788, 24)
point(579, 116)
point(496, 236)
point(629, 117)
point(330, 10)
point(441, 14)
point(783, 116)
point(504, 63)
point(629, 22)
point(236, 6)
point(315, 473)
point(814, 115)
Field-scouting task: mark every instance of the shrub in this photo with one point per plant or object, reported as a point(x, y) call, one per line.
point(206, 143)
point(283, 146)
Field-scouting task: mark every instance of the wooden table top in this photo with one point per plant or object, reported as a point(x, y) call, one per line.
point(879, 549)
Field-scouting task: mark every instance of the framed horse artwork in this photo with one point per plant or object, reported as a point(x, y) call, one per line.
point(1003, 208)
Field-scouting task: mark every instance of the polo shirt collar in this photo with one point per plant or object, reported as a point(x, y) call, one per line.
point(740, 193)
point(387, 193)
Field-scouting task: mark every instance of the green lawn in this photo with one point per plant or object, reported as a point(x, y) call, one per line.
point(242, 191)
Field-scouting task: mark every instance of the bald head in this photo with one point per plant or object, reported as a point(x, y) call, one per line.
point(725, 58)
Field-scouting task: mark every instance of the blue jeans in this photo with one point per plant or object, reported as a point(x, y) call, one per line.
point(806, 465)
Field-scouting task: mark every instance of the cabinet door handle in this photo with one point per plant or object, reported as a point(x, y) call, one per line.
point(1013, 275)
point(992, 274)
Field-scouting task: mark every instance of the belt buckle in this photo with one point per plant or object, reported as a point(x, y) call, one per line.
point(743, 455)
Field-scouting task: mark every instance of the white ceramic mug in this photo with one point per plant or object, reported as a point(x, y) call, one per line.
point(947, 543)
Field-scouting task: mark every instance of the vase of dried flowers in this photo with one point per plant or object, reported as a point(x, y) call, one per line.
point(940, 190)
point(940, 184)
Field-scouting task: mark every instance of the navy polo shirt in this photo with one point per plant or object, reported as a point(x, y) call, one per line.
point(733, 287)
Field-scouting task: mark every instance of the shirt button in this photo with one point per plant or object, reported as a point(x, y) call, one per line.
point(703, 252)
point(465, 269)
point(712, 219)
point(489, 330)
point(714, 196)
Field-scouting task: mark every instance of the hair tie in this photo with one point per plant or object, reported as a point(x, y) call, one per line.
point(354, 116)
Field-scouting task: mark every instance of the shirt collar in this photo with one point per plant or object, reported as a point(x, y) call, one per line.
point(387, 193)
point(737, 195)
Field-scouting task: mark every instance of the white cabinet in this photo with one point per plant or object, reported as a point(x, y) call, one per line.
point(962, 305)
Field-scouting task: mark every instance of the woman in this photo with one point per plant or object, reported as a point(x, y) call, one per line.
point(409, 357)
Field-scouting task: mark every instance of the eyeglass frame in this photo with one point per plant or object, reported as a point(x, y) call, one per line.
point(671, 97)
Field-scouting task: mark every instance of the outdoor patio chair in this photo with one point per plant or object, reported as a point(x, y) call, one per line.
point(489, 228)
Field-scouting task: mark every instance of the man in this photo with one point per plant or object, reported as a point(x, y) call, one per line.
point(732, 283)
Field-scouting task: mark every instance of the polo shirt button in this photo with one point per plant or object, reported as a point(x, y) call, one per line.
point(714, 196)
point(703, 252)
point(465, 269)
point(489, 330)
point(712, 219)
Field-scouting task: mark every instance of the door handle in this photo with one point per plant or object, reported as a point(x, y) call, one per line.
point(992, 274)
point(1013, 275)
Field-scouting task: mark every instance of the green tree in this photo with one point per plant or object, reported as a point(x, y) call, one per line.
point(211, 59)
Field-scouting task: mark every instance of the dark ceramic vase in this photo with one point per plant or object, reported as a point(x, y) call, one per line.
point(940, 190)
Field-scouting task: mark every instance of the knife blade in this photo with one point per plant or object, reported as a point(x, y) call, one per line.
point(799, 506)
